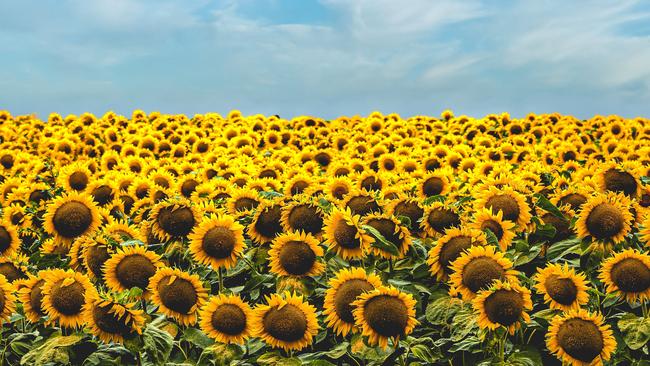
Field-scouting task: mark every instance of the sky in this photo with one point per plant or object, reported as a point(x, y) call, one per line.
point(326, 58)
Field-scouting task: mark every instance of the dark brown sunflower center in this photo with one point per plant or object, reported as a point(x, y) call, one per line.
point(245, 204)
point(162, 182)
point(72, 219)
point(299, 187)
point(287, 324)
point(268, 222)
point(306, 218)
point(95, 258)
point(340, 191)
point(296, 257)
point(11, 271)
point(78, 181)
point(229, 319)
point(386, 228)
point(574, 200)
point(562, 229)
point(5, 239)
point(371, 184)
point(581, 339)
point(386, 315)
point(179, 296)
point(494, 227)
point(505, 203)
point(442, 219)
point(67, 300)
point(411, 210)
point(36, 298)
point(618, 181)
point(345, 235)
point(363, 205)
point(504, 307)
point(561, 290)
point(188, 187)
point(219, 242)
point(605, 221)
point(177, 222)
point(480, 272)
point(347, 293)
point(433, 186)
point(103, 195)
point(631, 275)
point(37, 196)
point(135, 271)
point(109, 322)
point(452, 249)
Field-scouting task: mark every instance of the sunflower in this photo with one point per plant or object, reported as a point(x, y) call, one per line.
point(70, 216)
point(615, 177)
point(337, 188)
point(627, 273)
point(286, 321)
point(112, 321)
point(30, 295)
point(177, 294)
point(384, 313)
point(302, 215)
point(438, 218)
point(580, 338)
point(7, 299)
point(174, 219)
point(504, 304)
point(449, 247)
point(572, 197)
point(295, 254)
point(562, 287)
point(131, 266)
point(605, 218)
point(477, 268)
point(392, 230)
point(122, 230)
point(266, 223)
point(94, 254)
point(242, 202)
point(434, 184)
point(361, 202)
point(75, 177)
point(344, 288)
point(343, 234)
point(408, 207)
point(502, 229)
point(507, 200)
point(226, 319)
point(9, 240)
point(217, 241)
point(14, 267)
point(64, 295)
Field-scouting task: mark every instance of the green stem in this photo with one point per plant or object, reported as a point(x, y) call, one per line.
point(502, 348)
point(220, 280)
point(644, 309)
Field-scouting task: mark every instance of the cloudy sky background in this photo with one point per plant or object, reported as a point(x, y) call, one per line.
point(327, 57)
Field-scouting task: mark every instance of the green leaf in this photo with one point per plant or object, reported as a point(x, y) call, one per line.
point(405, 220)
point(424, 353)
point(197, 337)
point(432, 199)
point(157, 344)
point(441, 310)
point(54, 351)
point(275, 359)
point(491, 238)
point(546, 205)
point(635, 330)
point(528, 356)
point(559, 250)
point(463, 323)
point(380, 242)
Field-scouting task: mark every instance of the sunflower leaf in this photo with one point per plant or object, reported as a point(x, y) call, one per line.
point(380, 242)
point(546, 205)
point(157, 344)
point(635, 330)
point(491, 238)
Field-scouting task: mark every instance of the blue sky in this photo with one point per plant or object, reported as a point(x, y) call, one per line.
point(327, 57)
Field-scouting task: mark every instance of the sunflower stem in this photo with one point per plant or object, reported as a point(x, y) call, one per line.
point(220, 280)
point(644, 309)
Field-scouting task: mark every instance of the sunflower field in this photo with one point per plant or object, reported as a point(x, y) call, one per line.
point(379, 240)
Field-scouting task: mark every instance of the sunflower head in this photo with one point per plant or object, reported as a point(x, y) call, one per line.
point(344, 288)
point(112, 321)
point(343, 234)
point(64, 295)
point(438, 218)
point(605, 218)
point(71, 215)
point(407, 207)
point(7, 299)
point(477, 269)
point(295, 254)
point(504, 304)
point(286, 321)
point(449, 247)
point(562, 287)
point(178, 294)
point(384, 313)
point(217, 241)
point(129, 267)
point(627, 273)
point(580, 338)
point(508, 201)
point(302, 215)
point(226, 319)
point(174, 219)
point(266, 223)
